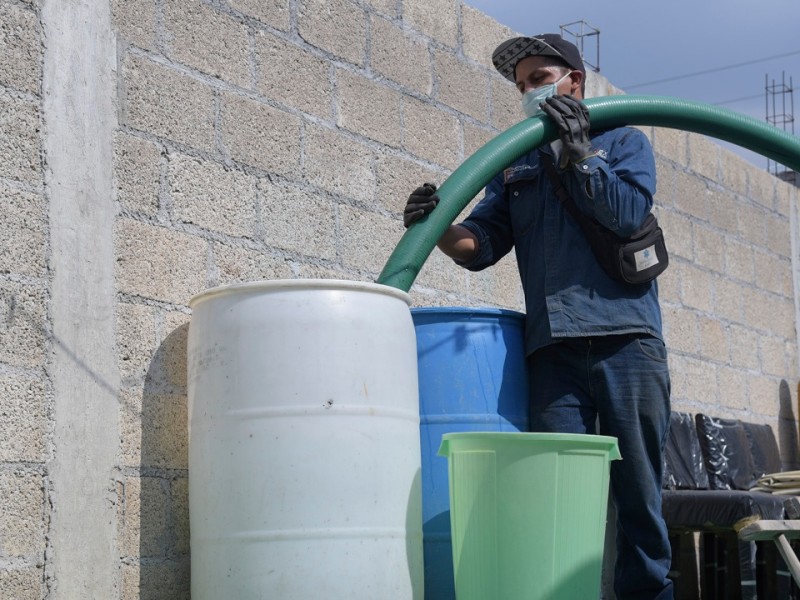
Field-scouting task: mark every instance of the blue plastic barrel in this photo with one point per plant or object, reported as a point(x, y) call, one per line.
point(472, 377)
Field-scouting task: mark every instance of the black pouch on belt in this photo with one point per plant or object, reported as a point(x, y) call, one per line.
point(639, 258)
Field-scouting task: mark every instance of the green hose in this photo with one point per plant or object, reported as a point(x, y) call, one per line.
point(478, 170)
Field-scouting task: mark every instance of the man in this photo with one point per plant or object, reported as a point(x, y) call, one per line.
point(594, 345)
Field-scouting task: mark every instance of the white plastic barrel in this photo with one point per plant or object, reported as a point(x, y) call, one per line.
point(304, 454)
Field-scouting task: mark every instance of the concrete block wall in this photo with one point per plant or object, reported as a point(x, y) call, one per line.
point(26, 395)
point(150, 149)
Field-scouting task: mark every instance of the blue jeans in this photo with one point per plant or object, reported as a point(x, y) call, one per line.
point(622, 381)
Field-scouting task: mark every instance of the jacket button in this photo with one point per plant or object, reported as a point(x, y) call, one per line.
point(516, 193)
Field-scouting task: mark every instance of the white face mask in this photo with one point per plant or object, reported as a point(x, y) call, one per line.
point(533, 98)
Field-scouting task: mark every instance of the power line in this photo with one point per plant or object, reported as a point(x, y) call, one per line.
point(735, 100)
point(707, 71)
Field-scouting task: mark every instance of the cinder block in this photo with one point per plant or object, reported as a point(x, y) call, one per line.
point(261, 136)
point(669, 282)
point(144, 518)
point(162, 579)
point(274, 13)
point(21, 584)
point(135, 22)
point(672, 144)
point(130, 427)
point(174, 347)
point(161, 101)
point(399, 56)
point(744, 347)
point(238, 265)
point(773, 273)
point(694, 380)
point(22, 325)
point(288, 74)
point(211, 42)
point(158, 263)
point(20, 48)
point(310, 270)
point(665, 182)
point(691, 195)
point(769, 312)
point(397, 177)
point(713, 339)
point(792, 367)
point(20, 144)
point(506, 104)
point(337, 26)
point(481, 34)
point(733, 388)
point(597, 85)
point(179, 488)
point(704, 156)
point(765, 397)
point(137, 170)
point(499, 285)
point(438, 19)
point(697, 288)
point(299, 221)
point(709, 246)
point(366, 238)
point(439, 272)
point(136, 339)
point(358, 98)
point(21, 516)
point(740, 263)
point(431, 134)
point(353, 174)
point(388, 7)
point(212, 196)
point(451, 73)
point(728, 299)
point(681, 329)
point(23, 221)
point(678, 233)
point(722, 209)
point(733, 171)
point(761, 187)
point(752, 223)
point(779, 238)
point(773, 355)
point(785, 198)
point(23, 428)
point(475, 138)
point(154, 429)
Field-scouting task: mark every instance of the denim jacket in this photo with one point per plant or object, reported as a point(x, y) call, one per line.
point(567, 293)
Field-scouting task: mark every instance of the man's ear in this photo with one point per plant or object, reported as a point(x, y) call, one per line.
point(576, 84)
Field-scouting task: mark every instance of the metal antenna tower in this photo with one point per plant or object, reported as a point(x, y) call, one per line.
point(579, 31)
point(780, 113)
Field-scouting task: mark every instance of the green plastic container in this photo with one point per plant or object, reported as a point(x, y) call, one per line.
point(528, 513)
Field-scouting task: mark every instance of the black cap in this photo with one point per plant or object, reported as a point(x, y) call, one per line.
point(509, 53)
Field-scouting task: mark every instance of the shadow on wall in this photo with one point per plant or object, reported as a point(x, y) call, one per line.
point(787, 428)
point(164, 493)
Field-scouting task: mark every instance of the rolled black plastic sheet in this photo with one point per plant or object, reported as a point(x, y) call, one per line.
point(726, 449)
point(683, 460)
point(474, 174)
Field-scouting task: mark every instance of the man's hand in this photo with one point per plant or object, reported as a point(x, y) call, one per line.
point(421, 201)
point(572, 120)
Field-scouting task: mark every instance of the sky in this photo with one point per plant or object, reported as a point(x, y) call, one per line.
point(643, 42)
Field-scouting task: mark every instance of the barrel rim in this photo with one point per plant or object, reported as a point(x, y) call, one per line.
point(467, 311)
point(298, 285)
point(582, 441)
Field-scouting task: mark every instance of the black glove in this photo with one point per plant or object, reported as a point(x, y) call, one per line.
point(572, 120)
point(421, 201)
